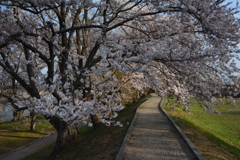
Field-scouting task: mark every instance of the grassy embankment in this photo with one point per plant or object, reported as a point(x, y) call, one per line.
point(217, 137)
point(16, 134)
point(102, 143)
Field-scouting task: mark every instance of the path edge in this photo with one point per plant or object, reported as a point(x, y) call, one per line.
point(189, 142)
point(127, 136)
point(26, 145)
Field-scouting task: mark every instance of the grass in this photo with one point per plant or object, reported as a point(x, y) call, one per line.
point(215, 136)
point(16, 134)
point(102, 143)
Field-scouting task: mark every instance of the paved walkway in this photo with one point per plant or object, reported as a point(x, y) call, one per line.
point(154, 137)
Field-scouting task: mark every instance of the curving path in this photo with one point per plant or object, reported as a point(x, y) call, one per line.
point(154, 137)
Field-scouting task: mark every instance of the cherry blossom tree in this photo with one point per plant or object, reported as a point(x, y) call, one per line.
point(71, 51)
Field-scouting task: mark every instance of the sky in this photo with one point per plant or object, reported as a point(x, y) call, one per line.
point(233, 5)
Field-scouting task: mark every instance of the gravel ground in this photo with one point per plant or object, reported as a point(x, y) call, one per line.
point(154, 137)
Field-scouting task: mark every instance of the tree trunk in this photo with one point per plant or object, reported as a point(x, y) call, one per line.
point(17, 115)
point(94, 118)
point(96, 122)
point(32, 118)
point(137, 94)
point(67, 133)
point(14, 86)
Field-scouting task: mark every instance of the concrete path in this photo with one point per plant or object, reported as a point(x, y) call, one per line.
point(154, 137)
point(30, 148)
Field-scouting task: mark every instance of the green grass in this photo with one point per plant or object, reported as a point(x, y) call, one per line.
point(16, 134)
point(225, 126)
point(223, 129)
point(101, 143)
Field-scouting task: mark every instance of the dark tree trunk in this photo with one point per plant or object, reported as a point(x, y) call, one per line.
point(14, 86)
point(17, 115)
point(94, 118)
point(32, 120)
point(67, 133)
point(96, 122)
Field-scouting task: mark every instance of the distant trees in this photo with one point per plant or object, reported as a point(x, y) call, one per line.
point(173, 47)
point(8, 90)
